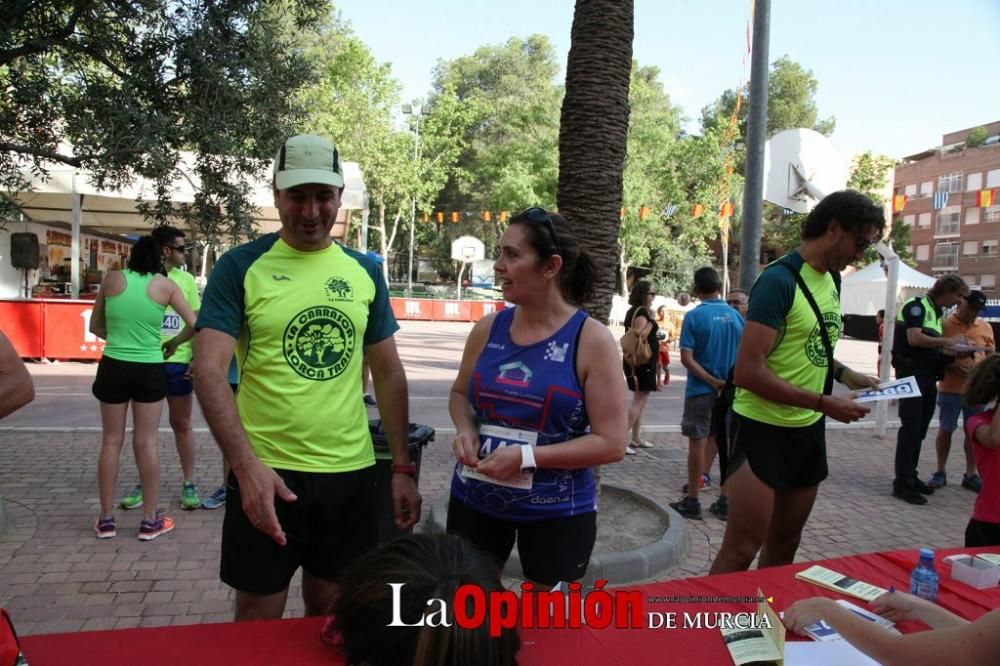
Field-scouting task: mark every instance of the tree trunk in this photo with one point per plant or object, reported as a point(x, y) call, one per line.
point(592, 136)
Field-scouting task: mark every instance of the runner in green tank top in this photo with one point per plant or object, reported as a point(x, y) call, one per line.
point(781, 371)
point(128, 314)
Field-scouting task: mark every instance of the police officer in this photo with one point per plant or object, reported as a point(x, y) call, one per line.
point(917, 350)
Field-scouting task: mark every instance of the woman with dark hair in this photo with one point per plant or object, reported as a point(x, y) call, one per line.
point(538, 402)
point(641, 379)
point(128, 315)
point(425, 567)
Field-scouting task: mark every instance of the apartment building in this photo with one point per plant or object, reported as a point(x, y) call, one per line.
point(950, 198)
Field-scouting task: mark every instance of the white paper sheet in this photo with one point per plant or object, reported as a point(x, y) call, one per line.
point(897, 389)
point(814, 653)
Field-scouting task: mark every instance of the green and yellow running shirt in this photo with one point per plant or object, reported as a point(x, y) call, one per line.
point(302, 320)
point(172, 322)
point(133, 322)
point(798, 355)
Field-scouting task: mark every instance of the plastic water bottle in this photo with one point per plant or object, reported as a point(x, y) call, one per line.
point(924, 580)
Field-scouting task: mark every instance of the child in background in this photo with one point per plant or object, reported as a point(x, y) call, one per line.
point(983, 388)
point(663, 333)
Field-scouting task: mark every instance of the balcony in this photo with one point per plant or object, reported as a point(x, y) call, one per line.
point(945, 257)
point(948, 225)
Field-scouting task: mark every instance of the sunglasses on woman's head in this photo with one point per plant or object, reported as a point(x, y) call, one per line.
point(537, 215)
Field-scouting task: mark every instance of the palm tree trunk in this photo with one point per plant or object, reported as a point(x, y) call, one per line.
point(592, 136)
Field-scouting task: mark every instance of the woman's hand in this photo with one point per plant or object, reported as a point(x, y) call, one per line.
point(466, 448)
point(170, 348)
point(802, 613)
point(896, 606)
point(503, 464)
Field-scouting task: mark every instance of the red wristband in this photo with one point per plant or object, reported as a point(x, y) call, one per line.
point(404, 468)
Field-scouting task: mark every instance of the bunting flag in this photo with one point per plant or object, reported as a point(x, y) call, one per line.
point(455, 217)
point(985, 198)
point(425, 217)
point(643, 212)
point(669, 211)
point(727, 209)
point(898, 203)
point(487, 216)
point(439, 216)
point(503, 216)
point(621, 213)
point(940, 200)
point(697, 210)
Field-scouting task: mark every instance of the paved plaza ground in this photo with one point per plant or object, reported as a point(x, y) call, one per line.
point(55, 576)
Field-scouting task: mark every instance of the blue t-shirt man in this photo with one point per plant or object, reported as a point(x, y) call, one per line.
point(712, 332)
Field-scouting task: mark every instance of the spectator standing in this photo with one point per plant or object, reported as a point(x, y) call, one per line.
point(710, 336)
point(963, 322)
point(641, 379)
point(784, 373)
point(663, 335)
point(737, 299)
point(983, 429)
point(918, 342)
point(301, 307)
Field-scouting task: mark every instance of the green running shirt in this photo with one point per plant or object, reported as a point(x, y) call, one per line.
point(798, 355)
point(133, 322)
point(172, 322)
point(301, 320)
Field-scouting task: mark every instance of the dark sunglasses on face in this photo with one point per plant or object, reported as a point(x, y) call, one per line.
point(863, 243)
point(537, 215)
point(178, 248)
point(734, 303)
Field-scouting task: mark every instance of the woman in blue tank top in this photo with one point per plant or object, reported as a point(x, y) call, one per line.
point(538, 401)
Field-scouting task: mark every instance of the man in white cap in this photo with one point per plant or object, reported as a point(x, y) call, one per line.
point(301, 311)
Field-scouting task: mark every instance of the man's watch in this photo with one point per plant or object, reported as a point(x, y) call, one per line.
point(409, 468)
point(839, 373)
point(527, 458)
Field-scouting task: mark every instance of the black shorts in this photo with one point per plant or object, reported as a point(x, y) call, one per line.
point(177, 384)
point(780, 456)
point(121, 381)
point(333, 521)
point(551, 550)
point(980, 533)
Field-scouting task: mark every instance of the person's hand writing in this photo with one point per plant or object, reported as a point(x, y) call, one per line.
point(406, 501)
point(503, 464)
point(896, 606)
point(465, 446)
point(802, 613)
point(258, 485)
point(843, 408)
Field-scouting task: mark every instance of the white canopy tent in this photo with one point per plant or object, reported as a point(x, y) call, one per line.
point(864, 292)
point(69, 196)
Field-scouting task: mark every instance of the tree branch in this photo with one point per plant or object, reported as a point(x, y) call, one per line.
point(55, 156)
point(37, 46)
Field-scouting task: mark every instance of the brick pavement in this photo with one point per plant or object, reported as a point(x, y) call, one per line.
point(55, 576)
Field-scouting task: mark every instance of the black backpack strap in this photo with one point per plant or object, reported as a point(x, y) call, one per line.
point(827, 346)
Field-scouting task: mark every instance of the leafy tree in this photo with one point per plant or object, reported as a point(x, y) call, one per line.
point(120, 88)
point(870, 176)
point(977, 137)
point(593, 132)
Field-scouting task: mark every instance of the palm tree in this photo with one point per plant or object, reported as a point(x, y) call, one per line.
point(592, 135)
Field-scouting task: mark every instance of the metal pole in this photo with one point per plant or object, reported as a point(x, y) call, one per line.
point(756, 134)
point(74, 269)
point(891, 288)
point(413, 201)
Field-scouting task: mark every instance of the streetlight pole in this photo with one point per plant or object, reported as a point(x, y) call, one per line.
point(414, 111)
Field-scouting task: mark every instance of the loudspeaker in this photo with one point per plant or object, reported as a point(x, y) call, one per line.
point(24, 250)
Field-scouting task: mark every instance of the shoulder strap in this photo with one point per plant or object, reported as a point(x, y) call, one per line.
point(827, 346)
point(645, 313)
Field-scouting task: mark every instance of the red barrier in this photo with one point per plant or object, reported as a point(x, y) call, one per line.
point(411, 308)
point(67, 331)
point(482, 308)
point(21, 322)
point(451, 311)
point(426, 309)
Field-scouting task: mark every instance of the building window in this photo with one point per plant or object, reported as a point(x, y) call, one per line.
point(909, 220)
point(991, 214)
point(950, 182)
point(948, 221)
point(911, 190)
point(990, 248)
point(970, 280)
point(923, 252)
point(993, 178)
point(945, 256)
point(970, 248)
point(972, 215)
point(974, 181)
point(924, 220)
point(927, 188)
point(987, 281)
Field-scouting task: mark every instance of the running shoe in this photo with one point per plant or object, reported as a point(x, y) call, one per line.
point(105, 528)
point(972, 482)
point(641, 444)
point(189, 496)
point(720, 508)
point(688, 506)
point(938, 480)
point(630, 451)
point(134, 499)
point(150, 529)
point(706, 482)
point(215, 500)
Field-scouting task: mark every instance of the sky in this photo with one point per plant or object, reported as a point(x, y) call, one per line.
point(896, 74)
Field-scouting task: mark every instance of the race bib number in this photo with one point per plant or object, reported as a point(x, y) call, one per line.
point(172, 324)
point(492, 438)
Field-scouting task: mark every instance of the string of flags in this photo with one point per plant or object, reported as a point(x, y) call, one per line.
point(727, 209)
point(984, 199)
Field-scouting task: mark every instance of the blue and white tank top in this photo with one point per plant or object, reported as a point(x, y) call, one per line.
point(532, 389)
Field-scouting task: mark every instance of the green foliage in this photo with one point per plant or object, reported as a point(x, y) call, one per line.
point(977, 137)
point(132, 84)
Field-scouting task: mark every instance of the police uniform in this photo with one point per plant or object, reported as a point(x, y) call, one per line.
point(923, 363)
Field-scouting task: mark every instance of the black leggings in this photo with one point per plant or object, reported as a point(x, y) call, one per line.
point(979, 533)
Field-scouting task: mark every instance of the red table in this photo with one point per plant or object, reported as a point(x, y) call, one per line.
point(297, 641)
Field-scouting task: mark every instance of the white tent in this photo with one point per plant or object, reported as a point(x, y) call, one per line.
point(863, 292)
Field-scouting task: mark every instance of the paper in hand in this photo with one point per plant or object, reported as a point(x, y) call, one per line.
point(897, 389)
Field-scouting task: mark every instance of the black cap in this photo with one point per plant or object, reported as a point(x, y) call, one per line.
point(976, 300)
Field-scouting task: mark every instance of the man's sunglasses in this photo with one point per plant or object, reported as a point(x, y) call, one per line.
point(537, 215)
point(178, 248)
point(863, 243)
